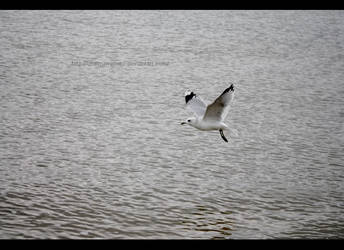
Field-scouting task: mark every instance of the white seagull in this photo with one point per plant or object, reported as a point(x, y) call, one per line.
point(209, 117)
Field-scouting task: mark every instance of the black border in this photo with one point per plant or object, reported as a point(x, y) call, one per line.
point(174, 5)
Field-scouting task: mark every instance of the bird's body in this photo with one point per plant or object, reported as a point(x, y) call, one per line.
point(209, 117)
point(208, 125)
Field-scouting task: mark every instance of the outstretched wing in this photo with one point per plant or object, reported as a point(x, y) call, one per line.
point(195, 103)
point(218, 110)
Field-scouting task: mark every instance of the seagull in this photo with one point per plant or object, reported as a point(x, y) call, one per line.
point(209, 117)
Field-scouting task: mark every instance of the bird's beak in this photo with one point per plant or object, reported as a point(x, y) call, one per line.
point(183, 123)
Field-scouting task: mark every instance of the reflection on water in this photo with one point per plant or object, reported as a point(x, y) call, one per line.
point(91, 143)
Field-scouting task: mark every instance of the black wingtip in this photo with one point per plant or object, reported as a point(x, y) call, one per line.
point(230, 88)
point(189, 97)
point(223, 136)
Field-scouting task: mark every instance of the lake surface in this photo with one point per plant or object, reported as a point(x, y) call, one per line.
point(91, 144)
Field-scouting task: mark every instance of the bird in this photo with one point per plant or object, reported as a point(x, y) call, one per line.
point(212, 116)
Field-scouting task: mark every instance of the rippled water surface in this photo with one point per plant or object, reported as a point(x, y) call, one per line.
point(90, 139)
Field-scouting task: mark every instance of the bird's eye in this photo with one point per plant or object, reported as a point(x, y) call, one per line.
point(189, 120)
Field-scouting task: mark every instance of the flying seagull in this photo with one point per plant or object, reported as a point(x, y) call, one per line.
point(209, 117)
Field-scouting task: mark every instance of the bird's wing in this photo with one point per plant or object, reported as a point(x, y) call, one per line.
point(195, 103)
point(218, 110)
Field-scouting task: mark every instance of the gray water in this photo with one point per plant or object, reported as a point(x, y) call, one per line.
point(91, 141)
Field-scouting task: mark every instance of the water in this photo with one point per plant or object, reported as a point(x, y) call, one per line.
point(91, 142)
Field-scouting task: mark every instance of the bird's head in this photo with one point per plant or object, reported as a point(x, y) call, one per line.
point(190, 121)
